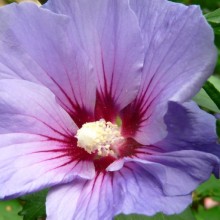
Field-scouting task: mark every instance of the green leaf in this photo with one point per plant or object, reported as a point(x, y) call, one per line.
point(9, 210)
point(216, 29)
point(212, 92)
point(203, 100)
point(215, 80)
point(213, 16)
point(186, 215)
point(9, 1)
point(208, 214)
point(34, 206)
point(210, 188)
point(214, 19)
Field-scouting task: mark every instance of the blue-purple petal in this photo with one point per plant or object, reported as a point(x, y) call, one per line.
point(190, 128)
point(179, 56)
point(34, 147)
point(111, 36)
point(47, 51)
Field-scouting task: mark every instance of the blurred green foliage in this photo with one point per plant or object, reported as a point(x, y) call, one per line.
point(9, 210)
point(8, 1)
point(186, 215)
point(212, 92)
point(34, 206)
point(207, 191)
point(203, 98)
point(206, 5)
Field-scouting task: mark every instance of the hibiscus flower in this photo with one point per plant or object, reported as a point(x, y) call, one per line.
point(94, 105)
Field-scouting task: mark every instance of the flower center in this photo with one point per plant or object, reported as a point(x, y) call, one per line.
point(99, 137)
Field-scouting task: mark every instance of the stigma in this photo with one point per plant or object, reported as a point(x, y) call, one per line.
point(99, 137)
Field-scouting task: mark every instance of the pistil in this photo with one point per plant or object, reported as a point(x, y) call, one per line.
point(99, 137)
